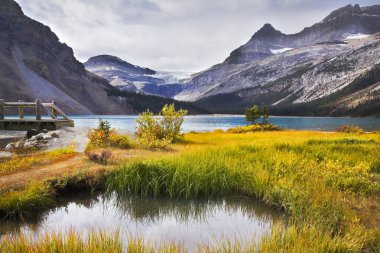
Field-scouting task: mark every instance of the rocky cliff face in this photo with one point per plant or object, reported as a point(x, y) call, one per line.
point(34, 64)
point(319, 62)
point(335, 27)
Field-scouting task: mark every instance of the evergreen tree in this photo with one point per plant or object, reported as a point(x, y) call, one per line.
point(265, 114)
point(252, 114)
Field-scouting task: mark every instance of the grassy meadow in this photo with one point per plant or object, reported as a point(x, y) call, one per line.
point(328, 184)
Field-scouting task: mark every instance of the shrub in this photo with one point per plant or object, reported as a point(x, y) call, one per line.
point(103, 136)
point(254, 128)
point(103, 157)
point(350, 129)
point(159, 132)
point(252, 114)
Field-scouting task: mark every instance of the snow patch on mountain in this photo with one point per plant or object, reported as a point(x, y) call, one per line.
point(170, 77)
point(356, 36)
point(281, 50)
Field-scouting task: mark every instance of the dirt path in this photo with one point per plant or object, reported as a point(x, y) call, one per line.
point(51, 170)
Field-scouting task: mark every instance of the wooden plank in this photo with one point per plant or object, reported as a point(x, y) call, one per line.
point(38, 122)
point(1, 109)
point(38, 109)
point(53, 111)
point(49, 111)
point(21, 111)
point(60, 112)
point(23, 104)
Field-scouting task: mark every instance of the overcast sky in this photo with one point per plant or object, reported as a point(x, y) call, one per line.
point(180, 35)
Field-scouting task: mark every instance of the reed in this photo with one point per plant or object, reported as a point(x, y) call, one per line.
point(311, 179)
point(290, 239)
point(28, 202)
point(95, 242)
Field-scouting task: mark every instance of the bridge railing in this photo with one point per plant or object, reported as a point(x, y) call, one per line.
point(50, 108)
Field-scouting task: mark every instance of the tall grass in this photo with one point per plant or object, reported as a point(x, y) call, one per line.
point(314, 177)
point(19, 204)
point(95, 242)
point(290, 239)
point(310, 179)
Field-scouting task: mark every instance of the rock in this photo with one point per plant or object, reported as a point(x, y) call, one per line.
point(45, 131)
point(47, 137)
point(34, 138)
point(54, 135)
point(5, 154)
point(31, 133)
point(40, 146)
point(29, 144)
point(39, 136)
point(10, 146)
point(19, 144)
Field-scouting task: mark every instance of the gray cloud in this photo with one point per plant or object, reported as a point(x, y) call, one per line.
point(182, 35)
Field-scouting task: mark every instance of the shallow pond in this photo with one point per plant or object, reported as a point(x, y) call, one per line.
point(191, 222)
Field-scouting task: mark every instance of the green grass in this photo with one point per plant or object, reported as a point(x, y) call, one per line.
point(291, 239)
point(319, 179)
point(254, 128)
point(19, 204)
point(22, 162)
point(95, 242)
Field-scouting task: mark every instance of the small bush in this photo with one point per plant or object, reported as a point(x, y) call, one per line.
point(350, 129)
point(159, 132)
point(253, 128)
point(102, 158)
point(104, 136)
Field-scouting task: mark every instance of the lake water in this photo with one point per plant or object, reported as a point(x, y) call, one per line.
point(212, 122)
point(191, 222)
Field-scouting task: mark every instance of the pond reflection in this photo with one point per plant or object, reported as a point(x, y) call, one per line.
point(191, 222)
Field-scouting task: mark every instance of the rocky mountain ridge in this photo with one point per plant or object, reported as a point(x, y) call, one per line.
point(282, 70)
point(35, 64)
point(132, 78)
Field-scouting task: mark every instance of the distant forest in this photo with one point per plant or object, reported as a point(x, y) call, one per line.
point(141, 102)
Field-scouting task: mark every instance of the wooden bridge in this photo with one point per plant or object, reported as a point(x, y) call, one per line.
point(57, 117)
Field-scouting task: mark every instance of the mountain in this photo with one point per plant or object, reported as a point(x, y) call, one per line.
point(132, 78)
point(331, 68)
point(335, 27)
point(35, 64)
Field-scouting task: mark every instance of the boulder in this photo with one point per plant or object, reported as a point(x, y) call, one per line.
point(31, 133)
point(39, 136)
point(10, 146)
point(47, 137)
point(30, 144)
point(55, 135)
point(19, 144)
point(45, 131)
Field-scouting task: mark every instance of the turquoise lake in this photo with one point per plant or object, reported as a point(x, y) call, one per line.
point(211, 122)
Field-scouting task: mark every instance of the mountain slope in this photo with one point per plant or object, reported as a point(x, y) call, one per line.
point(335, 27)
point(34, 64)
point(287, 70)
point(132, 78)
